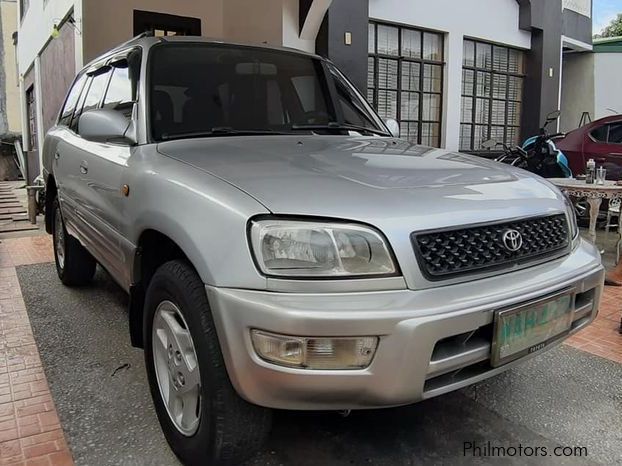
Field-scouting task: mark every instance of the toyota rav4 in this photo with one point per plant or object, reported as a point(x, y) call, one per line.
point(283, 248)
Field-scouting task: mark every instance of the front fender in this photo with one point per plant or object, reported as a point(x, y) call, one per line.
point(205, 216)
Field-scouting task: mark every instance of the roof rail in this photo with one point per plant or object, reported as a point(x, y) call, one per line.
point(118, 47)
point(134, 39)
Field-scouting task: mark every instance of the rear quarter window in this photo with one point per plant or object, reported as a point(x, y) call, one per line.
point(600, 134)
point(615, 133)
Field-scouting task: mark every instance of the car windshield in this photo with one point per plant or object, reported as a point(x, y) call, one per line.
point(200, 90)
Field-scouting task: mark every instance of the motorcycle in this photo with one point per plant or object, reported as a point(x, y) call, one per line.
point(538, 154)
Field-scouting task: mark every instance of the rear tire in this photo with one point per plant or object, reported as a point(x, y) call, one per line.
point(209, 424)
point(74, 264)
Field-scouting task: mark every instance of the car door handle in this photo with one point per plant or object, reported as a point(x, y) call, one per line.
point(56, 156)
point(84, 167)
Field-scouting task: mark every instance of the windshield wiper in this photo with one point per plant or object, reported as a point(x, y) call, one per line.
point(340, 126)
point(218, 131)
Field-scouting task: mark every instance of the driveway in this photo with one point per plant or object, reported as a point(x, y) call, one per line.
point(565, 397)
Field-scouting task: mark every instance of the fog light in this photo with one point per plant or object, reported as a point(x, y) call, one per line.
point(315, 352)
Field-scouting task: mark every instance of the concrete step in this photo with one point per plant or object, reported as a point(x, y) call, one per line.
point(12, 210)
point(20, 226)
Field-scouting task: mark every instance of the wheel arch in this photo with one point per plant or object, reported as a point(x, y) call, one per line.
point(154, 248)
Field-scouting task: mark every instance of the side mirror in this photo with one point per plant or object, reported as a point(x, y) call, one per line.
point(489, 144)
point(106, 125)
point(553, 115)
point(393, 126)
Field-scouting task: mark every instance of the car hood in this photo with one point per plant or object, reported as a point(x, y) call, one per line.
point(365, 178)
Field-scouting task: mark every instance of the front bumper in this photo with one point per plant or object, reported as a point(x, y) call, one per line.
point(431, 341)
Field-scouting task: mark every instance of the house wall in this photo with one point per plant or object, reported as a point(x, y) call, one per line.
point(12, 107)
point(607, 87)
point(111, 22)
point(577, 89)
point(352, 17)
point(466, 18)
point(55, 80)
point(291, 27)
point(36, 28)
point(255, 22)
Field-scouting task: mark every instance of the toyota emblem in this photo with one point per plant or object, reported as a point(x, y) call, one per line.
point(512, 240)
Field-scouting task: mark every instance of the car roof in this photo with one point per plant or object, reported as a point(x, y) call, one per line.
point(607, 119)
point(146, 42)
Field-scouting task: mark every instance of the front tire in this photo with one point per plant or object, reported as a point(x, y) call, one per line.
point(202, 417)
point(74, 264)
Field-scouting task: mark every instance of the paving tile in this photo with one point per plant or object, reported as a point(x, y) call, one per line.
point(10, 451)
point(30, 431)
point(602, 337)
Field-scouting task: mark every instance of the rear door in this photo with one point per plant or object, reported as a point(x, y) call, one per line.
point(604, 145)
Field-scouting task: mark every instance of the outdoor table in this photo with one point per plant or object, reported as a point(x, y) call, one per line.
point(594, 193)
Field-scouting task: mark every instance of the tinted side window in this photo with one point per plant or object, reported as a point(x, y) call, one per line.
point(119, 94)
point(96, 91)
point(72, 101)
point(93, 95)
point(73, 124)
point(615, 133)
point(600, 134)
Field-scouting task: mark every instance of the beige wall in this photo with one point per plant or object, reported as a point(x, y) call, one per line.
point(8, 11)
point(577, 89)
point(108, 23)
point(253, 21)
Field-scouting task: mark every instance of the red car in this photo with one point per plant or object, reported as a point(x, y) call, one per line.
point(600, 140)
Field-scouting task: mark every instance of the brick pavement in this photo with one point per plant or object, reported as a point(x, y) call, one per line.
point(30, 431)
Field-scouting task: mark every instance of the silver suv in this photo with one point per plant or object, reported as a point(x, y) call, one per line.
point(282, 249)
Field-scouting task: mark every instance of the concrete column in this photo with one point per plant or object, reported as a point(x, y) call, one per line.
point(24, 116)
point(452, 97)
point(292, 27)
point(542, 84)
point(346, 17)
point(39, 110)
point(79, 36)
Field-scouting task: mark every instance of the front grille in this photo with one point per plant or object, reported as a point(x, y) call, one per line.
point(455, 252)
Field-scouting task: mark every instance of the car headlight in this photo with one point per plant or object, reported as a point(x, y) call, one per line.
point(572, 219)
point(289, 248)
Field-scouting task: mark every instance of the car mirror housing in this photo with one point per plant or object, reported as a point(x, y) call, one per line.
point(489, 144)
point(106, 125)
point(393, 126)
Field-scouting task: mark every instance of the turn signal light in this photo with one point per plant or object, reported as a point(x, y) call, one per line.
point(339, 353)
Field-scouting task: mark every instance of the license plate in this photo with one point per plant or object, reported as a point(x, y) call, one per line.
point(526, 329)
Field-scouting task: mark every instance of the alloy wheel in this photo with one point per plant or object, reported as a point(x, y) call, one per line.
point(176, 367)
point(59, 233)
